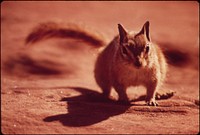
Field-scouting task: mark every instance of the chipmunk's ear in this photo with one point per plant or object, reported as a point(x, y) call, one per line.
point(122, 34)
point(145, 30)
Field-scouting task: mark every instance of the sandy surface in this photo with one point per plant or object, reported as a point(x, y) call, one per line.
point(49, 87)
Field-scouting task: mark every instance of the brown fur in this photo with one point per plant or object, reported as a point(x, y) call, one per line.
point(124, 63)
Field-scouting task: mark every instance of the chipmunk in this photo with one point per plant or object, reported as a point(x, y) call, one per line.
point(130, 59)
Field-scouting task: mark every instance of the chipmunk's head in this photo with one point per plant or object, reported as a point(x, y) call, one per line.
point(135, 48)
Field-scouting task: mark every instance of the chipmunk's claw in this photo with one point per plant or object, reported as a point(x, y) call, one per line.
point(151, 103)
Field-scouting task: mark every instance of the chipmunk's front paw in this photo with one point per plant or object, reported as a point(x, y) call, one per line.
point(152, 103)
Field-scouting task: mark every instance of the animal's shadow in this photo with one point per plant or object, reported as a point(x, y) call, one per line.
point(91, 107)
point(87, 109)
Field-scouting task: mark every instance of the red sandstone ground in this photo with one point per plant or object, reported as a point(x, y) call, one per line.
point(49, 87)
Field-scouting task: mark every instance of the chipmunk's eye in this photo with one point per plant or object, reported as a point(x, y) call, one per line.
point(147, 49)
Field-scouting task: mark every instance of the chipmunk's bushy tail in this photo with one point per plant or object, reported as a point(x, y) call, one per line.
point(70, 30)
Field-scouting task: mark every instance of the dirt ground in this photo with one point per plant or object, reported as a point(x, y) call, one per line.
point(49, 88)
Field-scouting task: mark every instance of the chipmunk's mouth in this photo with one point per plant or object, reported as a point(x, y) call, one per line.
point(138, 64)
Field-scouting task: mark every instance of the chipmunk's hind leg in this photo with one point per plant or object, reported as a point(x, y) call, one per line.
point(121, 91)
point(103, 80)
point(106, 89)
point(106, 92)
point(103, 83)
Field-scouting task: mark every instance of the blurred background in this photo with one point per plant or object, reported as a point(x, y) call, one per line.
point(41, 72)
